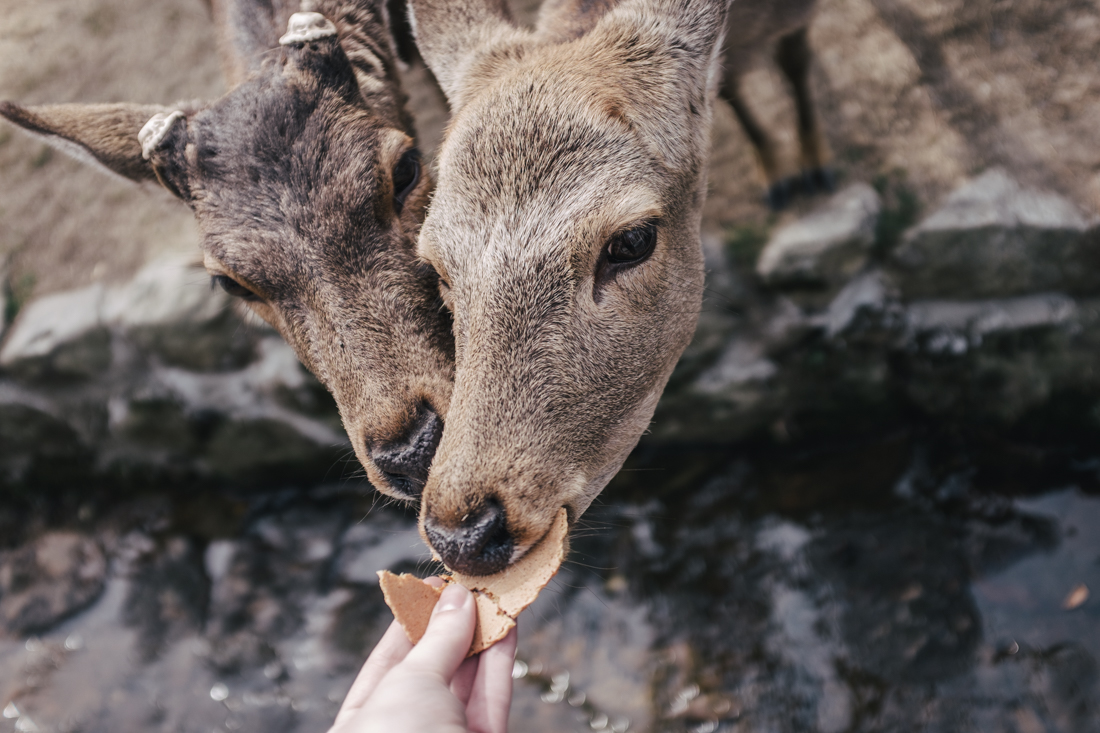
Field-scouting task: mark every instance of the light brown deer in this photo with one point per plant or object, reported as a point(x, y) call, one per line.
point(309, 194)
point(565, 230)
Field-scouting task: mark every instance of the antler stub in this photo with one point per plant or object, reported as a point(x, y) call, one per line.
point(306, 27)
point(154, 131)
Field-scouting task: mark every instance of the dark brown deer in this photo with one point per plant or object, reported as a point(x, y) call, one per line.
point(309, 194)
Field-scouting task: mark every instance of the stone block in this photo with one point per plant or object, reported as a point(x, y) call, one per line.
point(170, 310)
point(59, 335)
point(36, 447)
point(826, 248)
point(994, 238)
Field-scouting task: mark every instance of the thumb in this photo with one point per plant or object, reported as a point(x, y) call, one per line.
point(449, 634)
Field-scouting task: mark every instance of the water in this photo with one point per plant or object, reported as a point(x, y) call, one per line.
point(896, 585)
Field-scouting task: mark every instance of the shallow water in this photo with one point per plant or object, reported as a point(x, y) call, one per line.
point(895, 585)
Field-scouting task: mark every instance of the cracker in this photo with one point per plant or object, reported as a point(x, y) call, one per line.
point(500, 598)
point(411, 600)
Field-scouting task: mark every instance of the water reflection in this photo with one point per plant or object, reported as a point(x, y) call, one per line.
point(890, 586)
point(803, 596)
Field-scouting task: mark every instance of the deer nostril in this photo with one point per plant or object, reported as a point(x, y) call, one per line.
point(481, 545)
point(405, 462)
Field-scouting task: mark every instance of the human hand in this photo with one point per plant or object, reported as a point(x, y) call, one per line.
point(432, 688)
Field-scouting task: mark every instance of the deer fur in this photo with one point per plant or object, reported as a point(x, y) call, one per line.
point(291, 178)
point(591, 128)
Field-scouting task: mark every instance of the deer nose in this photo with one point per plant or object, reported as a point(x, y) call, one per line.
point(480, 545)
point(405, 462)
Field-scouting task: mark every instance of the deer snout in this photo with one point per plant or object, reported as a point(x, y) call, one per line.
point(479, 544)
point(405, 462)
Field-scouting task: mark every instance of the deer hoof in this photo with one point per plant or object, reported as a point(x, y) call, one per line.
point(818, 180)
point(779, 195)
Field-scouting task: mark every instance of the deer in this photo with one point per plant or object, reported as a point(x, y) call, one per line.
point(565, 231)
point(308, 191)
point(753, 28)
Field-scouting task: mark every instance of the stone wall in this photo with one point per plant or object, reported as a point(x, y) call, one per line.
point(158, 379)
point(985, 313)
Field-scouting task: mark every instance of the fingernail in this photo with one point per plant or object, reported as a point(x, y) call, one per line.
point(454, 597)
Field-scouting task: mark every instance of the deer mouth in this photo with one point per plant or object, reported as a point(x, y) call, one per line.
point(481, 544)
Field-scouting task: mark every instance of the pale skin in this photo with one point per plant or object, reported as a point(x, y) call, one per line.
point(432, 687)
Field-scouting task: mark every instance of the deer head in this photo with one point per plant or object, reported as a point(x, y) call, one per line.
point(309, 193)
point(565, 231)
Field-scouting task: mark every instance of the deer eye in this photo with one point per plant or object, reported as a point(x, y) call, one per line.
point(633, 245)
point(233, 287)
point(406, 174)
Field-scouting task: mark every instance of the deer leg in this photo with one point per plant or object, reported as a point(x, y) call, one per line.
point(779, 189)
point(793, 56)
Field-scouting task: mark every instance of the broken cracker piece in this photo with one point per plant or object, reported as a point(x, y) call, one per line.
point(411, 600)
point(500, 598)
point(492, 624)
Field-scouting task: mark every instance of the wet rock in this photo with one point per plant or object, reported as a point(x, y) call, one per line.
point(60, 335)
point(955, 326)
point(170, 310)
point(269, 448)
point(167, 596)
point(742, 363)
point(261, 583)
point(827, 247)
point(157, 379)
point(867, 304)
point(37, 447)
point(5, 296)
point(358, 624)
point(994, 238)
point(996, 362)
point(383, 543)
point(45, 582)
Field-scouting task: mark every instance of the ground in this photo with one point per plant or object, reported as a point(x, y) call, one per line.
point(920, 93)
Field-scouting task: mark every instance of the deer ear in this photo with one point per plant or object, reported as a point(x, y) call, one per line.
point(103, 135)
point(452, 36)
point(667, 56)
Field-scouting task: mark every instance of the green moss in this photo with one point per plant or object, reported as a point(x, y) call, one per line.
point(900, 209)
point(18, 292)
point(45, 155)
point(744, 243)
